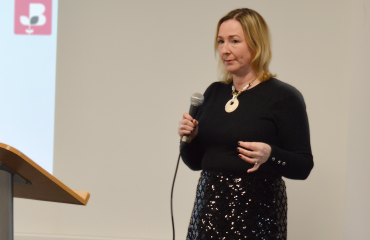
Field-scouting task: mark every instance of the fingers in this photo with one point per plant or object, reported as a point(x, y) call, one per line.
point(185, 130)
point(255, 153)
point(252, 152)
point(187, 125)
point(250, 145)
point(253, 169)
point(247, 159)
point(249, 153)
point(187, 116)
point(251, 161)
point(187, 120)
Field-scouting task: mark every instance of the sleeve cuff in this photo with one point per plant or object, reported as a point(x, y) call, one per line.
point(275, 158)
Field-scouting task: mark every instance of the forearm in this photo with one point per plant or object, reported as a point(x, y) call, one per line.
point(192, 155)
point(293, 165)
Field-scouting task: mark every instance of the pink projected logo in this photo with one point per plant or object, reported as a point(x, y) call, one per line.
point(32, 17)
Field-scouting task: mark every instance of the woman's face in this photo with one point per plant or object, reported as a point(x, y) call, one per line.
point(234, 50)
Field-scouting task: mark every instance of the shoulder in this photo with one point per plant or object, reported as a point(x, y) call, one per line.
point(284, 90)
point(214, 87)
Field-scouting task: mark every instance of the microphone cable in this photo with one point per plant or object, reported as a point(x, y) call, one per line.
point(196, 100)
point(173, 184)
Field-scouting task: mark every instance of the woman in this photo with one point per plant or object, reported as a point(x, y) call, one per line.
point(246, 146)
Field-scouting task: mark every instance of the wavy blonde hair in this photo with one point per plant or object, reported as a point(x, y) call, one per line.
point(257, 36)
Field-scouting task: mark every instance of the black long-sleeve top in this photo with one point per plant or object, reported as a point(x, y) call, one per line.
point(273, 112)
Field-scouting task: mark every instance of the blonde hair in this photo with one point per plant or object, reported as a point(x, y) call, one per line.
point(257, 36)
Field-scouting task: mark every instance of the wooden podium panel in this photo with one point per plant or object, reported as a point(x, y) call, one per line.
point(44, 186)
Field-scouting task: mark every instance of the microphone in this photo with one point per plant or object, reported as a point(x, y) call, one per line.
point(196, 100)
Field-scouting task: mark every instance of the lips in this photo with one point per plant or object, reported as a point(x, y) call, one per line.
point(229, 61)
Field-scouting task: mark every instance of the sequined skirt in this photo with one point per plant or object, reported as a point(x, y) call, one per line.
point(231, 208)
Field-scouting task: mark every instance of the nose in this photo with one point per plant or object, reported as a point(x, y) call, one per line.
point(225, 48)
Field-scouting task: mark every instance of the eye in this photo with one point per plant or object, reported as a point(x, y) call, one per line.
point(235, 41)
point(220, 41)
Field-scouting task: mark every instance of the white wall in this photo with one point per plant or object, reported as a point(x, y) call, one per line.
point(125, 72)
point(358, 164)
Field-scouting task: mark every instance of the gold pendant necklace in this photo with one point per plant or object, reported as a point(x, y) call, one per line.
point(233, 103)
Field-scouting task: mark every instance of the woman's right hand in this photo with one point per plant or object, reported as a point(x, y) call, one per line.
point(188, 126)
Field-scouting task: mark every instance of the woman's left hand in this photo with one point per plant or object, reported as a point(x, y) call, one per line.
point(255, 153)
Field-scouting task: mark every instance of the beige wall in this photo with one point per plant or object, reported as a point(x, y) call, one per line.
point(358, 164)
point(125, 72)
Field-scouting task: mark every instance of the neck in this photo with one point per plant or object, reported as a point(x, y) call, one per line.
point(241, 81)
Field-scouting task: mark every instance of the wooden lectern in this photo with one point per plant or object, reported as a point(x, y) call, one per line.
point(23, 178)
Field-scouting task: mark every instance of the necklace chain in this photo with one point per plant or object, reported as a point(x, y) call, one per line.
point(235, 95)
point(233, 103)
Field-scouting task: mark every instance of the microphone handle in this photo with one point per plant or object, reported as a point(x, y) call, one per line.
point(192, 112)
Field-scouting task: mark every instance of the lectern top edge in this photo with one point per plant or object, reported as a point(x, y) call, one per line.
point(44, 186)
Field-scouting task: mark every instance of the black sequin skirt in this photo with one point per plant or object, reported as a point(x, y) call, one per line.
point(232, 208)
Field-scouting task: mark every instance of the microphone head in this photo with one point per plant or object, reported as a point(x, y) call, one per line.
point(196, 99)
